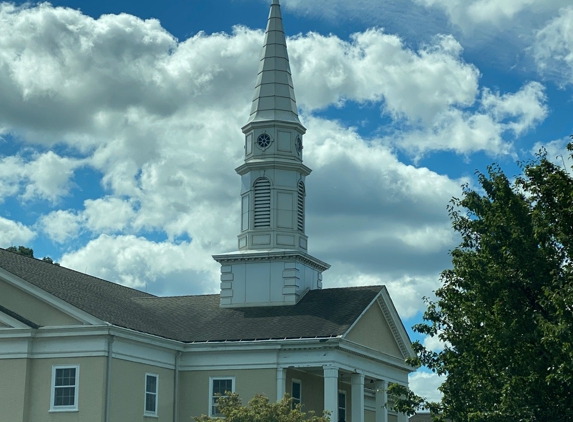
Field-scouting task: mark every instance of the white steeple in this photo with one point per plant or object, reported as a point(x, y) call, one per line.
point(272, 266)
point(274, 93)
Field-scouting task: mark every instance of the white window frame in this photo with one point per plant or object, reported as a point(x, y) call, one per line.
point(296, 400)
point(343, 392)
point(145, 411)
point(211, 396)
point(76, 386)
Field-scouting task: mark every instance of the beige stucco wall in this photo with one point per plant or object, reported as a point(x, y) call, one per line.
point(369, 416)
point(194, 388)
point(373, 331)
point(312, 387)
point(128, 392)
point(91, 390)
point(31, 308)
point(13, 386)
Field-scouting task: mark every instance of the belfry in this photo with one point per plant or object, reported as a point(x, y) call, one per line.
point(272, 265)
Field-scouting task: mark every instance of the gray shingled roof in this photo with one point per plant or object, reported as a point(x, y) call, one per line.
point(321, 313)
point(421, 417)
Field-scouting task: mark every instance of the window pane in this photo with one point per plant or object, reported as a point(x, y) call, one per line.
point(341, 407)
point(296, 390)
point(64, 396)
point(151, 384)
point(65, 376)
point(150, 404)
point(220, 387)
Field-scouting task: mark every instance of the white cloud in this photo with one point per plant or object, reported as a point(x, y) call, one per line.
point(60, 225)
point(158, 267)
point(434, 343)
point(498, 116)
point(108, 214)
point(468, 13)
point(425, 384)
point(556, 152)
point(376, 220)
point(553, 47)
point(43, 176)
point(377, 67)
point(13, 233)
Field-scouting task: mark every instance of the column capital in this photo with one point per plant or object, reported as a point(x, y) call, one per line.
point(357, 378)
point(330, 371)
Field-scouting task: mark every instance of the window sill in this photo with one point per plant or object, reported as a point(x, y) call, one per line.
point(56, 410)
point(150, 415)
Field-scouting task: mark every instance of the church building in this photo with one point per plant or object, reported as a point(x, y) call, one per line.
point(78, 348)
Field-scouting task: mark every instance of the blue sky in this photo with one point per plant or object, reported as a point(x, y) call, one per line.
point(120, 129)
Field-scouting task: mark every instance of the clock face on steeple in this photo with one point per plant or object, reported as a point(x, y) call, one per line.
point(264, 140)
point(298, 144)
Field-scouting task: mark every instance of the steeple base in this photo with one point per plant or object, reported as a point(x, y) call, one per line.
point(267, 278)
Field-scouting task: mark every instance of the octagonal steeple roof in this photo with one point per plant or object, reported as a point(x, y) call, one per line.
point(274, 98)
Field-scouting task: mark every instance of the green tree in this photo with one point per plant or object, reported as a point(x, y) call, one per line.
point(505, 309)
point(22, 250)
point(260, 409)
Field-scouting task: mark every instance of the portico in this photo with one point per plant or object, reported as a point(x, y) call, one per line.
point(349, 396)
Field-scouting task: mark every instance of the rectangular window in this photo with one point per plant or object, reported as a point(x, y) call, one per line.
point(218, 388)
point(65, 381)
point(151, 382)
point(341, 406)
point(296, 392)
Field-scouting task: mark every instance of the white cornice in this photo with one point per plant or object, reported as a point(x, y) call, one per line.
point(270, 256)
point(395, 323)
point(273, 163)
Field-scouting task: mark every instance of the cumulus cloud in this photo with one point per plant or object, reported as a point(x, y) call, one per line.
point(434, 343)
point(13, 233)
point(42, 176)
point(425, 384)
point(553, 47)
point(60, 225)
point(497, 117)
point(160, 267)
point(375, 66)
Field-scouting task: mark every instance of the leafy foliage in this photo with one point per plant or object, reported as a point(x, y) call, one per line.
point(22, 250)
point(505, 309)
point(260, 409)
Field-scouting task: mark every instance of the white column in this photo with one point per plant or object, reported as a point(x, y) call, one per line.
point(357, 393)
point(281, 383)
point(381, 400)
point(331, 391)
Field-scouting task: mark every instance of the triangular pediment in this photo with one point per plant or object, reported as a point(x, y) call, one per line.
point(380, 329)
point(23, 305)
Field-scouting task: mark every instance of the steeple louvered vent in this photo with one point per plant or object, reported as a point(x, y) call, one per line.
point(262, 202)
point(300, 207)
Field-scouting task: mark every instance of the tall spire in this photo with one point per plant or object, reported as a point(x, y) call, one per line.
point(272, 266)
point(274, 94)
